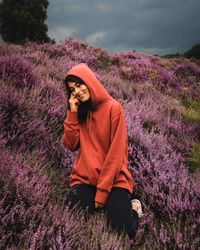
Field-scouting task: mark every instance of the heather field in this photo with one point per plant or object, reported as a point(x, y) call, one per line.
point(161, 101)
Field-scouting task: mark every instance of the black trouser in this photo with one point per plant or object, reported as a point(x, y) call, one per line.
point(118, 208)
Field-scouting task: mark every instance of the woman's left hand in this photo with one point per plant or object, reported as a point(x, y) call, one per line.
point(98, 205)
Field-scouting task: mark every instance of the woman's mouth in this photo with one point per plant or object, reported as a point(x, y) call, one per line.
point(81, 95)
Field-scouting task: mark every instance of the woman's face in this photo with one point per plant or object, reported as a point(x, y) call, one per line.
point(80, 91)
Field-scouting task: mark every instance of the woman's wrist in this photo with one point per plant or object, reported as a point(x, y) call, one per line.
point(73, 110)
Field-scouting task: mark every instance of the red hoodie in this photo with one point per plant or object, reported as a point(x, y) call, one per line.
point(102, 140)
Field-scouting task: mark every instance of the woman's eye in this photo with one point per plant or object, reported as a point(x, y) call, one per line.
point(77, 85)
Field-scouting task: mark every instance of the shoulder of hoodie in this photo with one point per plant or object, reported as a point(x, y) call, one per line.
point(115, 108)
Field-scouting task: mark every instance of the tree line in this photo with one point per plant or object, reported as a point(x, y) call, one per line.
point(24, 20)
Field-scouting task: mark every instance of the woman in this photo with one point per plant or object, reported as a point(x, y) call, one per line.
point(95, 124)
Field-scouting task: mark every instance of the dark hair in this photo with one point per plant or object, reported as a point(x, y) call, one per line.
point(84, 107)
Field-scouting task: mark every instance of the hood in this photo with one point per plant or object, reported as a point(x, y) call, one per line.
point(97, 91)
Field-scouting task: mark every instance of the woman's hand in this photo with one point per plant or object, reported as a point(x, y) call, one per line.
point(98, 205)
point(74, 102)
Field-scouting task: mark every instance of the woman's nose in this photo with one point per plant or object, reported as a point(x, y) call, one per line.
point(76, 91)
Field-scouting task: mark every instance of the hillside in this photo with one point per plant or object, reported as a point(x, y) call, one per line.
point(161, 101)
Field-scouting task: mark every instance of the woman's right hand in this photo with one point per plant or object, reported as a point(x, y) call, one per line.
point(73, 102)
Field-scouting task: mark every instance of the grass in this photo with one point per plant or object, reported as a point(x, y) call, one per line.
point(192, 109)
point(192, 114)
point(193, 160)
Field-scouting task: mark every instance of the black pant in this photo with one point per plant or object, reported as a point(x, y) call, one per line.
point(118, 208)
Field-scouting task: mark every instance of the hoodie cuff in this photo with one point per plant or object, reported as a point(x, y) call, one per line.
point(101, 196)
point(72, 116)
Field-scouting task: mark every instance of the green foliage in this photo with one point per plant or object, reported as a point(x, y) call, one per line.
point(194, 51)
point(172, 55)
point(193, 160)
point(22, 21)
point(192, 111)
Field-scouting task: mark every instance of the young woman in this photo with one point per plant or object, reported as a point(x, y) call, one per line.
point(95, 124)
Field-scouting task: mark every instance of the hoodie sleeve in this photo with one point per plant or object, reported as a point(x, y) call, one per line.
point(114, 158)
point(71, 136)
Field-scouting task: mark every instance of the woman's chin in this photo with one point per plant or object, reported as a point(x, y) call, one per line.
point(84, 99)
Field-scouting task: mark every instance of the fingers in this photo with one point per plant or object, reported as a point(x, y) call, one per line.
point(73, 95)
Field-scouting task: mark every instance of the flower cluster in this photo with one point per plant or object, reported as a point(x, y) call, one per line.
point(18, 72)
point(160, 98)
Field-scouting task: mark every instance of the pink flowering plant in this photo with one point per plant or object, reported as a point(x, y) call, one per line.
point(160, 98)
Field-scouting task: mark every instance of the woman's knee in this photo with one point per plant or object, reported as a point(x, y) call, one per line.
point(81, 196)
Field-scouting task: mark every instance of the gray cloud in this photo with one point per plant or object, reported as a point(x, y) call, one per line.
point(149, 26)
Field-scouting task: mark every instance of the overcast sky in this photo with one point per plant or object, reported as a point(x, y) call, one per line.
point(150, 26)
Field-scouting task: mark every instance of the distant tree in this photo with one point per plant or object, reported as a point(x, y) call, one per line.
point(171, 55)
point(23, 20)
point(194, 51)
